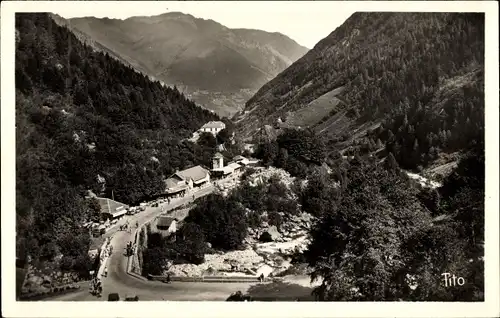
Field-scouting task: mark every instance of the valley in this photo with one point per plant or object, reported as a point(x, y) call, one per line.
point(169, 157)
point(217, 67)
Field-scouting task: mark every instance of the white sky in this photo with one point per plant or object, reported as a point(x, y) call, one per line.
point(306, 22)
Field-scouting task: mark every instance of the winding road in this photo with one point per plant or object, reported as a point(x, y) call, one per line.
point(118, 281)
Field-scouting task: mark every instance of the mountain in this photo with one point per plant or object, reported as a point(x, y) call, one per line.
point(86, 121)
point(411, 81)
point(218, 67)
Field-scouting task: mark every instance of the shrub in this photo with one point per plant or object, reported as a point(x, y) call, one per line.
point(66, 263)
point(275, 219)
point(266, 237)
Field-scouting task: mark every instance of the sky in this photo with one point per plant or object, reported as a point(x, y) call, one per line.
point(306, 22)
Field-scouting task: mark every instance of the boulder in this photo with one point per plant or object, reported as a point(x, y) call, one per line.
point(271, 234)
point(47, 280)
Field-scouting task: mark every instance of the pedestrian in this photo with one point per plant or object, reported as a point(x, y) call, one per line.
point(168, 278)
point(137, 224)
point(106, 271)
point(193, 197)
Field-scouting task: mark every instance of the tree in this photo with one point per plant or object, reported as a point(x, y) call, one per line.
point(275, 219)
point(153, 261)
point(191, 243)
point(319, 196)
point(80, 114)
point(223, 136)
point(391, 163)
point(207, 140)
point(282, 158)
point(223, 222)
point(268, 152)
point(94, 210)
point(359, 240)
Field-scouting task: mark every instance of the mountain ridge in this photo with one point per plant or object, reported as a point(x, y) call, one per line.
point(387, 66)
point(214, 65)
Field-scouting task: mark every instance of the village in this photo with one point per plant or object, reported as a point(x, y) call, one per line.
point(260, 257)
point(178, 185)
point(267, 251)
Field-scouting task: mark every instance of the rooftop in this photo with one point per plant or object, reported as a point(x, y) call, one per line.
point(110, 206)
point(196, 173)
point(214, 124)
point(174, 185)
point(234, 165)
point(164, 221)
point(218, 155)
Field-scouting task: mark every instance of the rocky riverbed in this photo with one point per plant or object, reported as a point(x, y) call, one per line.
point(257, 257)
point(268, 258)
point(38, 281)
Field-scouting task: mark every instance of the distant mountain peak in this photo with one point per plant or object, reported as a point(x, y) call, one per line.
point(218, 67)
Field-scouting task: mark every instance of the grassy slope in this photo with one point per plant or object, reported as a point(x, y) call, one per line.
point(352, 44)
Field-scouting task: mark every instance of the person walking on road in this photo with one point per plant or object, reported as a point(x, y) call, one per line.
point(137, 224)
point(106, 271)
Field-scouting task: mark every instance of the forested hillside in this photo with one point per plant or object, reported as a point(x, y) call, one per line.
point(381, 238)
point(86, 121)
point(414, 81)
point(387, 91)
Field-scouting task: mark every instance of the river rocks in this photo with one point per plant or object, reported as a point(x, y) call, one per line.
point(243, 260)
point(264, 174)
point(271, 234)
point(47, 280)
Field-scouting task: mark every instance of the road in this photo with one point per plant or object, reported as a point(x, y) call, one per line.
point(118, 281)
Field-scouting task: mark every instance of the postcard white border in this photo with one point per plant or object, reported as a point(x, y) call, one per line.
point(11, 308)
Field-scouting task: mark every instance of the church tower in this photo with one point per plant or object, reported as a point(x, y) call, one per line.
point(217, 161)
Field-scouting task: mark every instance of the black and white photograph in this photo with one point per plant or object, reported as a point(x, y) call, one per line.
point(290, 151)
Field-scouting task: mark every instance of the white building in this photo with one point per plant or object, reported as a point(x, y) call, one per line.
point(183, 181)
point(166, 224)
point(213, 127)
point(233, 168)
point(217, 161)
point(111, 209)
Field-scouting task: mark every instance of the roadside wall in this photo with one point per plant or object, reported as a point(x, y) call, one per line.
point(106, 250)
point(208, 279)
point(140, 243)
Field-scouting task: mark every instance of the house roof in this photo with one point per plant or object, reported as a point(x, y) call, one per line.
point(225, 170)
point(218, 155)
point(214, 124)
point(234, 165)
point(229, 168)
point(238, 158)
point(164, 221)
point(173, 182)
point(196, 173)
point(111, 207)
